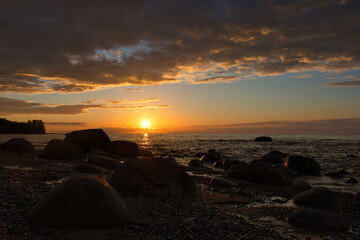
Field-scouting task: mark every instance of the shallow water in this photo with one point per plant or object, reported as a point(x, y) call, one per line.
point(330, 150)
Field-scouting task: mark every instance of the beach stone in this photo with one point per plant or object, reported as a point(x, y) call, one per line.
point(87, 139)
point(262, 174)
point(322, 198)
point(263, 139)
point(89, 168)
point(304, 165)
point(274, 157)
point(218, 164)
point(196, 163)
point(221, 182)
point(82, 201)
point(212, 156)
point(123, 148)
point(104, 162)
point(227, 163)
point(153, 176)
point(18, 145)
point(318, 220)
point(301, 185)
point(352, 180)
point(57, 149)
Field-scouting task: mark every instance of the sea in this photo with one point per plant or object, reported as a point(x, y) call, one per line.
point(334, 152)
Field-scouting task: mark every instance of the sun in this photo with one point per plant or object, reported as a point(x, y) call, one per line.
point(145, 124)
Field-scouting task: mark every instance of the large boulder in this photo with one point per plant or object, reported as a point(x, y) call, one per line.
point(301, 185)
point(304, 165)
point(152, 176)
point(18, 145)
point(274, 157)
point(123, 148)
point(196, 163)
point(322, 198)
point(211, 157)
point(89, 168)
point(104, 162)
point(222, 183)
point(318, 220)
point(263, 139)
point(82, 201)
point(57, 149)
point(87, 139)
point(262, 174)
point(227, 163)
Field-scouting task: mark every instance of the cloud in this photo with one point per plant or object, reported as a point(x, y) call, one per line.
point(66, 123)
point(304, 76)
point(215, 79)
point(68, 46)
point(134, 90)
point(146, 100)
point(353, 83)
point(312, 126)
point(12, 106)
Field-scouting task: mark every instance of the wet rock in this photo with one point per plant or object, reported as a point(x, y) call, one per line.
point(304, 165)
point(152, 176)
point(82, 201)
point(212, 156)
point(322, 198)
point(263, 139)
point(196, 163)
point(104, 162)
point(57, 149)
point(18, 145)
point(274, 157)
point(89, 168)
point(218, 164)
point(337, 174)
point(301, 185)
point(87, 139)
point(352, 180)
point(318, 220)
point(123, 148)
point(262, 174)
point(221, 182)
point(230, 162)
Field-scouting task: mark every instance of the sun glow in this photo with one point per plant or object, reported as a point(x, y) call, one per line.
point(145, 124)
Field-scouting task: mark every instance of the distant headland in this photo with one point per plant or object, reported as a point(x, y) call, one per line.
point(29, 127)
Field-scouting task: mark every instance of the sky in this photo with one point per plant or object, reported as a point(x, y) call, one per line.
point(186, 66)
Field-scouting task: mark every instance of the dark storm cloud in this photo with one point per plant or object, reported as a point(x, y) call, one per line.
point(75, 46)
point(13, 106)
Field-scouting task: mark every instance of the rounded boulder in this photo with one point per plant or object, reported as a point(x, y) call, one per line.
point(87, 139)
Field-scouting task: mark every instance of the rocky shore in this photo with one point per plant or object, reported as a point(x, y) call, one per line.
point(72, 188)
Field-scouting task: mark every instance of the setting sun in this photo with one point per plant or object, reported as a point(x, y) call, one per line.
point(145, 124)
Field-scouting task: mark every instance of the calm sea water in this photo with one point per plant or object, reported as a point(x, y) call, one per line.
point(331, 150)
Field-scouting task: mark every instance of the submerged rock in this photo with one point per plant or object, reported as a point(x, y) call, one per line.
point(212, 156)
point(263, 139)
point(153, 176)
point(18, 145)
point(318, 220)
point(301, 185)
point(322, 198)
point(123, 148)
point(87, 139)
point(57, 149)
point(304, 165)
point(82, 201)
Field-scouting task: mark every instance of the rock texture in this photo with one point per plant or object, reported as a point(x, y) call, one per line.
point(104, 162)
point(82, 201)
point(304, 165)
point(87, 139)
point(123, 148)
point(263, 139)
point(18, 145)
point(322, 198)
point(212, 156)
point(152, 176)
point(57, 149)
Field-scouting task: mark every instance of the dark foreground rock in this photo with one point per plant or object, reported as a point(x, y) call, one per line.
point(322, 198)
point(87, 139)
point(196, 163)
point(123, 148)
point(89, 168)
point(57, 149)
point(222, 183)
point(153, 176)
point(104, 162)
point(82, 201)
point(227, 163)
point(301, 185)
point(318, 220)
point(274, 157)
point(212, 156)
point(352, 180)
point(262, 174)
point(263, 139)
point(304, 165)
point(18, 145)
